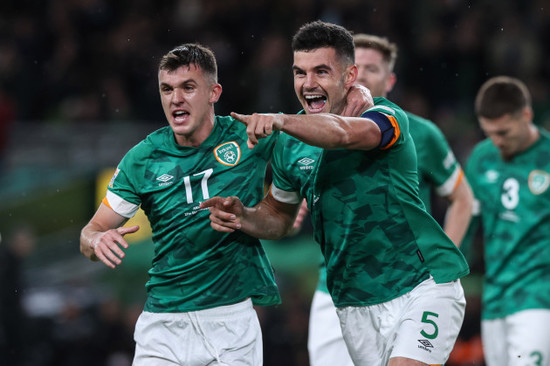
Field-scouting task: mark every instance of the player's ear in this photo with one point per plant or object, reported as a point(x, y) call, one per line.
point(527, 114)
point(390, 82)
point(215, 93)
point(351, 75)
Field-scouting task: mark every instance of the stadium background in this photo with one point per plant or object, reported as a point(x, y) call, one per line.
point(78, 88)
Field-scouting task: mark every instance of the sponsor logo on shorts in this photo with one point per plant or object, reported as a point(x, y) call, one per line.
point(425, 345)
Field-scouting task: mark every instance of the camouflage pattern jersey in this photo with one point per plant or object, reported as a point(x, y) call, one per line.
point(195, 267)
point(514, 207)
point(377, 239)
point(437, 167)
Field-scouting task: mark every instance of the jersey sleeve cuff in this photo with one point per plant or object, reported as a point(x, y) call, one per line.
point(389, 128)
point(285, 196)
point(120, 206)
point(450, 184)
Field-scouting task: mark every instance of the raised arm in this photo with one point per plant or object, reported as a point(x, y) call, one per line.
point(270, 219)
point(459, 212)
point(328, 131)
point(103, 237)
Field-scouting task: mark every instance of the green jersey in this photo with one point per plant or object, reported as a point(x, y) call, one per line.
point(437, 167)
point(377, 239)
point(514, 207)
point(292, 164)
point(195, 267)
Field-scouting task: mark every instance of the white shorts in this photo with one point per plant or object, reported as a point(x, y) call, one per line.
point(325, 342)
point(226, 335)
point(421, 325)
point(519, 339)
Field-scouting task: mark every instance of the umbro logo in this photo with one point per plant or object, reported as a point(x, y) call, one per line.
point(491, 176)
point(306, 161)
point(165, 178)
point(425, 345)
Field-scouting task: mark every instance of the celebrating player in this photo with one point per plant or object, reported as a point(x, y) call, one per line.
point(392, 272)
point(437, 169)
point(202, 282)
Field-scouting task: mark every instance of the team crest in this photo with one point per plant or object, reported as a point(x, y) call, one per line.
point(538, 181)
point(228, 153)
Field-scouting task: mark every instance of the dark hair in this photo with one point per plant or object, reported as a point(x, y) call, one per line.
point(501, 95)
point(380, 44)
point(191, 53)
point(320, 34)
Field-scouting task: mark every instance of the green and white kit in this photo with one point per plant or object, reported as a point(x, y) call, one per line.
point(195, 267)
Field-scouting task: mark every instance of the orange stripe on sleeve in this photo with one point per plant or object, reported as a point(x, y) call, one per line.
point(106, 203)
point(460, 176)
point(396, 134)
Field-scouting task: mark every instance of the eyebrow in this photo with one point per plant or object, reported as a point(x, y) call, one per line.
point(318, 67)
point(186, 81)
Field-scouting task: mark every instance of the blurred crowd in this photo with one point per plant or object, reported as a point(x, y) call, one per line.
point(74, 60)
point(69, 61)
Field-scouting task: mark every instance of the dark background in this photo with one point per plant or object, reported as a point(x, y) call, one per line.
point(78, 88)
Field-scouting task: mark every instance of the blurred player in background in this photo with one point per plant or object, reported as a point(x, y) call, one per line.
point(391, 270)
point(437, 169)
point(203, 283)
point(510, 176)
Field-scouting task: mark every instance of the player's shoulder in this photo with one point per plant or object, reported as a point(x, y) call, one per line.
point(422, 128)
point(482, 150)
point(545, 136)
point(386, 106)
point(151, 142)
point(422, 123)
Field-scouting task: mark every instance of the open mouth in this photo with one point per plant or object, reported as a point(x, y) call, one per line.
point(180, 116)
point(315, 103)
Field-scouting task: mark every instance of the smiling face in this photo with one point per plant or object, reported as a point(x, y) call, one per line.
point(322, 80)
point(188, 98)
point(373, 71)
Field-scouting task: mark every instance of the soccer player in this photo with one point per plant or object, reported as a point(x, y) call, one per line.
point(437, 169)
point(392, 272)
point(510, 176)
point(202, 282)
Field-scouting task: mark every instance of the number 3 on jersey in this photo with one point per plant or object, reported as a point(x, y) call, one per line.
point(510, 194)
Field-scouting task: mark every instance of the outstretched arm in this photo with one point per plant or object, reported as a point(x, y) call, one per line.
point(270, 219)
point(328, 131)
point(103, 237)
point(459, 211)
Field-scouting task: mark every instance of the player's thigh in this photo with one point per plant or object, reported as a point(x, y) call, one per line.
point(235, 338)
point(495, 341)
point(430, 323)
point(154, 345)
point(326, 345)
point(529, 337)
point(226, 335)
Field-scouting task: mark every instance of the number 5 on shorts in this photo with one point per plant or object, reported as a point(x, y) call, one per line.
point(429, 321)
